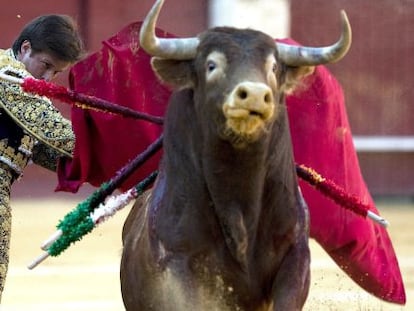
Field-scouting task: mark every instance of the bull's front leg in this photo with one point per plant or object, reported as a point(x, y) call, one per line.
point(291, 285)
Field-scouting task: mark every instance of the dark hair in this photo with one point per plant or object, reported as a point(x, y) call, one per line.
point(55, 34)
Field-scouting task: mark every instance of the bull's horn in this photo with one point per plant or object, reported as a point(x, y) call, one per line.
point(311, 56)
point(184, 48)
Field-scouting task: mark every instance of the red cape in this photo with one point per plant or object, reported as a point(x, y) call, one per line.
point(120, 72)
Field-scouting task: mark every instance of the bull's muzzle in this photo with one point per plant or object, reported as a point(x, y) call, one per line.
point(248, 107)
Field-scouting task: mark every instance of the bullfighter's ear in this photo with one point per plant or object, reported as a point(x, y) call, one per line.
point(176, 73)
point(294, 75)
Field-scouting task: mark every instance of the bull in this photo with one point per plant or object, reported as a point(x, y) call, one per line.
point(225, 226)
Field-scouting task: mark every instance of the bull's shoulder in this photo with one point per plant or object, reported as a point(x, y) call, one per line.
point(136, 215)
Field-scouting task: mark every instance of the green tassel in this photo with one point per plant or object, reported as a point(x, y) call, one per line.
point(71, 236)
point(78, 222)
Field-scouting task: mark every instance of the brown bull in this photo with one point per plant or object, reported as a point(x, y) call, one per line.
point(225, 227)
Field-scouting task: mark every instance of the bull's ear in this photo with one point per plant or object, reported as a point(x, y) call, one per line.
point(294, 75)
point(176, 73)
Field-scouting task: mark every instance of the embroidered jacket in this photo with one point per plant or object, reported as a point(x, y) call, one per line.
point(31, 128)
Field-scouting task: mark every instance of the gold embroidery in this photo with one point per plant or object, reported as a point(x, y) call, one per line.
point(7, 59)
point(12, 158)
point(5, 222)
point(26, 145)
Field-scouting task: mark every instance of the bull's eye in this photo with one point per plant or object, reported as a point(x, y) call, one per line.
point(214, 67)
point(210, 66)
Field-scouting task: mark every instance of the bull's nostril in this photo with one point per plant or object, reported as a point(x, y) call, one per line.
point(267, 98)
point(242, 93)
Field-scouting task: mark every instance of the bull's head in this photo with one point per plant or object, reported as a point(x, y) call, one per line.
point(241, 74)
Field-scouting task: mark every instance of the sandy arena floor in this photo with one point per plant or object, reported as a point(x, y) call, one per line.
point(86, 276)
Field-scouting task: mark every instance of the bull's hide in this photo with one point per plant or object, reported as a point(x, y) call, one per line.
point(120, 72)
